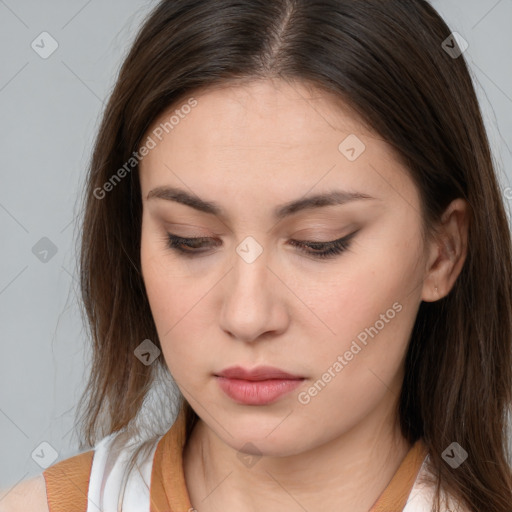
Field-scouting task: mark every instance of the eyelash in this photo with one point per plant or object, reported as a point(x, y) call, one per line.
point(330, 249)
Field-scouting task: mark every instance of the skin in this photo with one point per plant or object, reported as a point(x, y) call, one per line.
point(251, 147)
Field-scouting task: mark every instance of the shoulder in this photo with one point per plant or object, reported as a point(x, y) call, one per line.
point(61, 487)
point(27, 495)
point(67, 485)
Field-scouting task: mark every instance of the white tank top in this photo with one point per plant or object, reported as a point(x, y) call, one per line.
point(108, 467)
point(107, 471)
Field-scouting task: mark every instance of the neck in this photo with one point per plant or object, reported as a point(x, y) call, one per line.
point(348, 472)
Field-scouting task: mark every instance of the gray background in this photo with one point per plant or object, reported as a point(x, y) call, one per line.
point(49, 113)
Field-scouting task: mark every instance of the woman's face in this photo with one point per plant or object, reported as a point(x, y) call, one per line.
point(248, 296)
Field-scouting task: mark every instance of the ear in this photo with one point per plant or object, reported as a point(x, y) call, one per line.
point(447, 252)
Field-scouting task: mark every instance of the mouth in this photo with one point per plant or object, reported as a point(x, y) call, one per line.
point(259, 386)
point(257, 374)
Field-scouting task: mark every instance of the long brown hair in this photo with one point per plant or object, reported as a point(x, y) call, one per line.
point(386, 60)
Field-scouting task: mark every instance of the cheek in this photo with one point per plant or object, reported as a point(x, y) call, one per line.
point(365, 286)
point(171, 296)
point(177, 324)
point(369, 307)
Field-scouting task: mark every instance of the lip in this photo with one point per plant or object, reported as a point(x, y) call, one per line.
point(256, 374)
point(259, 386)
point(261, 392)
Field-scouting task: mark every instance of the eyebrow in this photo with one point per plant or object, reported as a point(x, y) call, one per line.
point(335, 197)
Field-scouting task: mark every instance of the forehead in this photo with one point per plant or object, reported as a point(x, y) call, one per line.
point(270, 112)
point(267, 138)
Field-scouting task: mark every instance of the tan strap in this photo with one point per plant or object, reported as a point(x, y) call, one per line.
point(395, 495)
point(67, 483)
point(168, 491)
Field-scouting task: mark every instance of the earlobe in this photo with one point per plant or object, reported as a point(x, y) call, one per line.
point(447, 252)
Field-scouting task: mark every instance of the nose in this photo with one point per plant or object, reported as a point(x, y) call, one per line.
point(253, 301)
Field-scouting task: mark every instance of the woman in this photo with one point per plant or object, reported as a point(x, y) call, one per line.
point(292, 210)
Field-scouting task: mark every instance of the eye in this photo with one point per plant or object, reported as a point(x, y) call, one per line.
point(190, 247)
point(323, 250)
point(187, 246)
